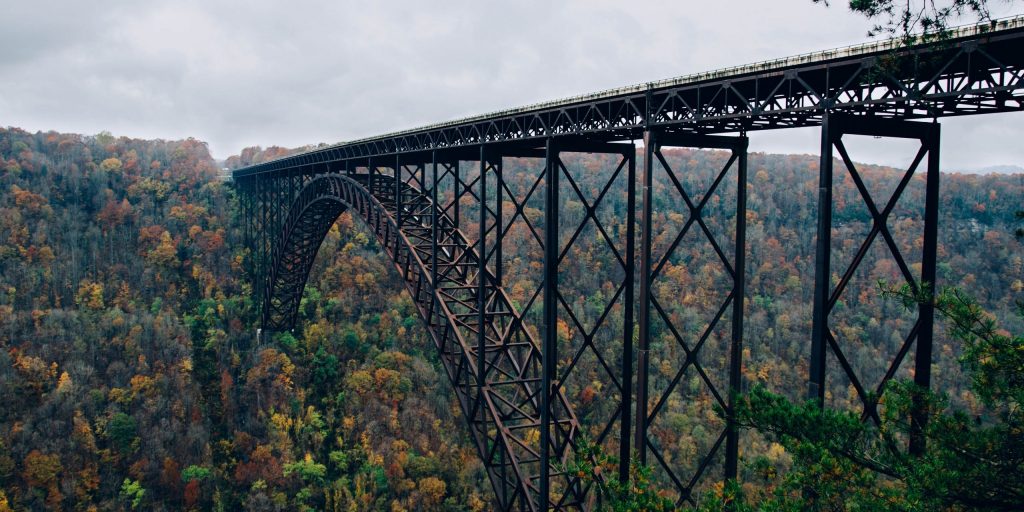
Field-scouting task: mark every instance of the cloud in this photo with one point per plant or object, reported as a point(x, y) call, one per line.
point(244, 73)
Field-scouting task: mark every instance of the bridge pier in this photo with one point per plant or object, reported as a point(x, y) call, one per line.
point(834, 127)
point(650, 309)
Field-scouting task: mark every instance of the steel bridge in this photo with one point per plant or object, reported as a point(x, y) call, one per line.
point(417, 190)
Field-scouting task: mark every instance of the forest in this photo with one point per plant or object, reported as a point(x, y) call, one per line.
point(132, 378)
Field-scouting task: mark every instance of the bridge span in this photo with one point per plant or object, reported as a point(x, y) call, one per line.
point(416, 190)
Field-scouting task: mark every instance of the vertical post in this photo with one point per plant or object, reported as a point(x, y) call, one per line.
point(481, 270)
point(264, 229)
point(398, 191)
point(822, 263)
point(549, 356)
point(739, 292)
point(627, 328)
point(370, 173)
point(650, 147)
point(926, 311)
point(276, 192)
point(498, 200)
point(433, 226)
point(291, 186)
point(456, 182)
point(246, 202)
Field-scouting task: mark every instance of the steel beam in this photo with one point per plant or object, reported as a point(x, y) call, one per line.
point(625, 423)
point(739, 295)
point(822, 266)
point(549, 353)
point(926, 310)
point(642, 365)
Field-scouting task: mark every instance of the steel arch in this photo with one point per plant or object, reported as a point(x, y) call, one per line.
point(503, 403)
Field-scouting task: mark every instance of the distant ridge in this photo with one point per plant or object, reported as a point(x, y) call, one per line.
point(1002, 169)
point(993, 169)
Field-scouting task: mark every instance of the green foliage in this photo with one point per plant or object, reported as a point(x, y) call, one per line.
point(133, 492)
point(993, 358)
point(194, 472)
point(843, 463)
point(591, 464)
point(122, 431)
point(307, 469)
point(286, 340)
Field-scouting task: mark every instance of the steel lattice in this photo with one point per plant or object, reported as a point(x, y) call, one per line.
point(440, 204)
point(498, 381)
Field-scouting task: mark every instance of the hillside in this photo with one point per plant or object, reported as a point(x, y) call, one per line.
point(132, 378)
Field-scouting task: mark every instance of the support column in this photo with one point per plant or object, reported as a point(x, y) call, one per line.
point(481, 271)
point(499, 199)
point(292, 174)
point(456, 194)
point(370, 175)
point(739, 293)
point(433, 226)
point(245, 199)
point(926, 310)
point(822, 267)
point(625, 413)
point(398, 191)
point(264, 228)
point(549, 355)
point(650, 146)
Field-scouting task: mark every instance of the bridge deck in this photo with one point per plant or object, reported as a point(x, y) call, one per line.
point(980, 68)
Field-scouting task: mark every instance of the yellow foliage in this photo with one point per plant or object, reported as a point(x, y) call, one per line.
point(475, 503)
point(111, 165)
point(386, 379)
point(82, 432)
point(165, 254)
point(90, 295)
point(360, 381)
point(280, 422)
point(64, 383)
point(532, 437)
point(4, 505)
point(564, 333)
point(432, 491)
point(142, 385)
point(119, 395)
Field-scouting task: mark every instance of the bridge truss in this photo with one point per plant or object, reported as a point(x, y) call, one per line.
point(439, 204)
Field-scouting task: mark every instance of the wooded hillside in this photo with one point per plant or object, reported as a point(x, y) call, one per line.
point(131, 377)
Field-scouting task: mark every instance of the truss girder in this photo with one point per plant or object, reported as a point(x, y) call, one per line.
point(976, 75)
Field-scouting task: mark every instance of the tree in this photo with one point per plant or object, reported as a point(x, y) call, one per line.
point(133, 492)
point(592, 465)
point(970, 463)
point(41, 470)
point(905, 18)
point(122, 431)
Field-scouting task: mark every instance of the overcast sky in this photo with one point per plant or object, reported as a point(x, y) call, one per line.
point(243, 73)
